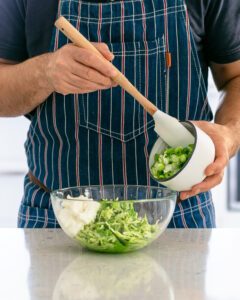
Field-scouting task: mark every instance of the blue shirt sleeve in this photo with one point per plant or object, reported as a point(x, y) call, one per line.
point(222, 25)
point(12, 30)
point(216, 28)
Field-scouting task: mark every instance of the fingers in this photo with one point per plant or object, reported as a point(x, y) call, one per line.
point(80, 70)
point(90, 59)
point(214, 171)
point(208, 183)
point(104, 50)
point(80, 86)
point(216, 167)
point(221, 151)
point(221, 159)
point(90, 74)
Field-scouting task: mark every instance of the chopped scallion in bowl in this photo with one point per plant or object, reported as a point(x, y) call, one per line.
point(114, 219)
point(170, 161)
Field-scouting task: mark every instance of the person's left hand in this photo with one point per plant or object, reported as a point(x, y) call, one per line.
point(225, 147)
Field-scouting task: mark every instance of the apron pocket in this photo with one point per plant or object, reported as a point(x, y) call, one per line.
point(114, 112)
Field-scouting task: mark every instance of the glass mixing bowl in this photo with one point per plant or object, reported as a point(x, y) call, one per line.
point(114, 219)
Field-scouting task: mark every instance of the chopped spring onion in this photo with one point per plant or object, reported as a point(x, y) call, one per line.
point(170, 161)
point(117, 228)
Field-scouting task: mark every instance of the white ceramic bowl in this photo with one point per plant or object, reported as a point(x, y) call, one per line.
point(193, 172)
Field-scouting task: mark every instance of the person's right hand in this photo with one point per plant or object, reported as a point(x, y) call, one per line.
point(74, 70)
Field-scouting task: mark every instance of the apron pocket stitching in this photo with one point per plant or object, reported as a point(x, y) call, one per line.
point(117, 136)
point(193, 208)
point(106, 20)
point(140, 129)
point(89, 116)
point(38, 218)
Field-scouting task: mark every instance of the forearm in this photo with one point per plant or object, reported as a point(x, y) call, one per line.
point(23, 86)
point(69, 70)
point(225, 136)
point(228, 113)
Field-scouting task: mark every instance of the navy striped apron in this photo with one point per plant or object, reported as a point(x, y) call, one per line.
point(105, 137)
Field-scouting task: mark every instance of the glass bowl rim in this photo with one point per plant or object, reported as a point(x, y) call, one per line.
point(172, 194)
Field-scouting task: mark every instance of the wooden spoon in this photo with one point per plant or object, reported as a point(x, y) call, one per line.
point(167, 127)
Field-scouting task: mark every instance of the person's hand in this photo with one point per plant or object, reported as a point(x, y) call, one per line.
point(74, 70)
point(225, 147)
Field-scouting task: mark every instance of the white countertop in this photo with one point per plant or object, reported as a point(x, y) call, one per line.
point(181, 264)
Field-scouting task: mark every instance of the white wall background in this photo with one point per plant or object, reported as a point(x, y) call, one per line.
point(13, 167)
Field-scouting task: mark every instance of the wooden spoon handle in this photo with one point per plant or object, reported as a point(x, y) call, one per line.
point(78, 39)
